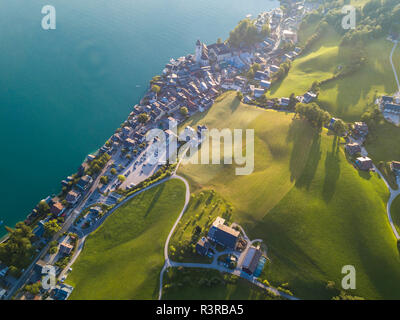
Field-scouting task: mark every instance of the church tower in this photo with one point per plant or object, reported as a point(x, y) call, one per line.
point(199, 51)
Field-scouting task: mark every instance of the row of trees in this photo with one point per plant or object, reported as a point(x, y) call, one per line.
point(246, 33)
point(17, 250)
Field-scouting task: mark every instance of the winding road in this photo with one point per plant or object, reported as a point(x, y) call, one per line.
point(393, 67)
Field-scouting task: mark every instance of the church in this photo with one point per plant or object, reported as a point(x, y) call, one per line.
point(216, 52)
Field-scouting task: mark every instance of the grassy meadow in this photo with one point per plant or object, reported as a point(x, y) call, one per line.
point(315, 212)
point(395, 212)
point(200, 284)
point(347, 98)
point(124, 257)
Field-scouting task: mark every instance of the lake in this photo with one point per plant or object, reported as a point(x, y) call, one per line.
point(63, 92)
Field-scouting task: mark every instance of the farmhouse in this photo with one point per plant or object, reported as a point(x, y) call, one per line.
point(72, 197)
point(66, 248)
point(222, 234)
point(258, 92)
point(353, 148)
point(202, 246)
point(251, 260)
point(57, 208)
point(84, 182)
point(309, 96)
point(395, 166)
point(364, 163)
point(360, 128)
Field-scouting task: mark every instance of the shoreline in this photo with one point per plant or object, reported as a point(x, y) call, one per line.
point(146, 92)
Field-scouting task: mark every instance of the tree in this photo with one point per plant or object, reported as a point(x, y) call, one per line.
point(246, 33)
point(104, 179)
point(239, 95)
point(121, 178)
point(155, 88)
point(113, 171)
point(17, 250)
point(184, 111)
point(43, 207)
point(51, 228)
point(143, 117)
point(339, 128)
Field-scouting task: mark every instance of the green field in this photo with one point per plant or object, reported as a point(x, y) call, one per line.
point(201, 212)
point(200, 284)
point(349, 97)
point(124, 257)
point(315, 212)
point(395, 212)
point(383, 143)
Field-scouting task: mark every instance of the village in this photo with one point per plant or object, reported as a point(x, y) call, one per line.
point(188, 85)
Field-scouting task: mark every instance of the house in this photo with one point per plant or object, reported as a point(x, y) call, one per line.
point(39, 266)
point(265, 84)
point(392, 108)
point(247, 99)
point(258, 92)
point(353, 148)
point(274, 68)
point(251, 260)
point(395, 166)
point(72, 196)
point(360, 128)
point(84, 182)
point(3, 293)
point(39, 230)
point(202, 246)
point(309, 96)
point(289, 35)
point(260, 75)
point(284, 102)
point(66, 248)
point(62, 291)
point(364, 163)
point(222, 234)
point(57, 208)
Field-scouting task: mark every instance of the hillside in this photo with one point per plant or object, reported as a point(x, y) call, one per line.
point(347, 98)
point(314, 210)
point(124, 257)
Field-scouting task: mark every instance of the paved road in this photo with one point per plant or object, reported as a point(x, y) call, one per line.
point(71, 215)
point(214, 265)
point(393, 195)
point(393, 67)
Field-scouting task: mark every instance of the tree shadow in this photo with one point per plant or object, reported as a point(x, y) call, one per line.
point(301, 145)
point(311, 165)
point(160, 190)
point(306, 152)
point(332, 170)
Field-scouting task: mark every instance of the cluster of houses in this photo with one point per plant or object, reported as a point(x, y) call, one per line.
point(230, 239)
point(390, 107)
point(360, 132)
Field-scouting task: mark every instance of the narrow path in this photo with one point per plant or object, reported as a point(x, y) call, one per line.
point(214, 265)
point(393, 67)
point(393, 195)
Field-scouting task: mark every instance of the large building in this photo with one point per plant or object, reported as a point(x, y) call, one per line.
point(222, 234)
point(364, 163)
point(251, 260)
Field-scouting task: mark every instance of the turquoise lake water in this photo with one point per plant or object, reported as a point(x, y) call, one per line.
point(63, 92)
